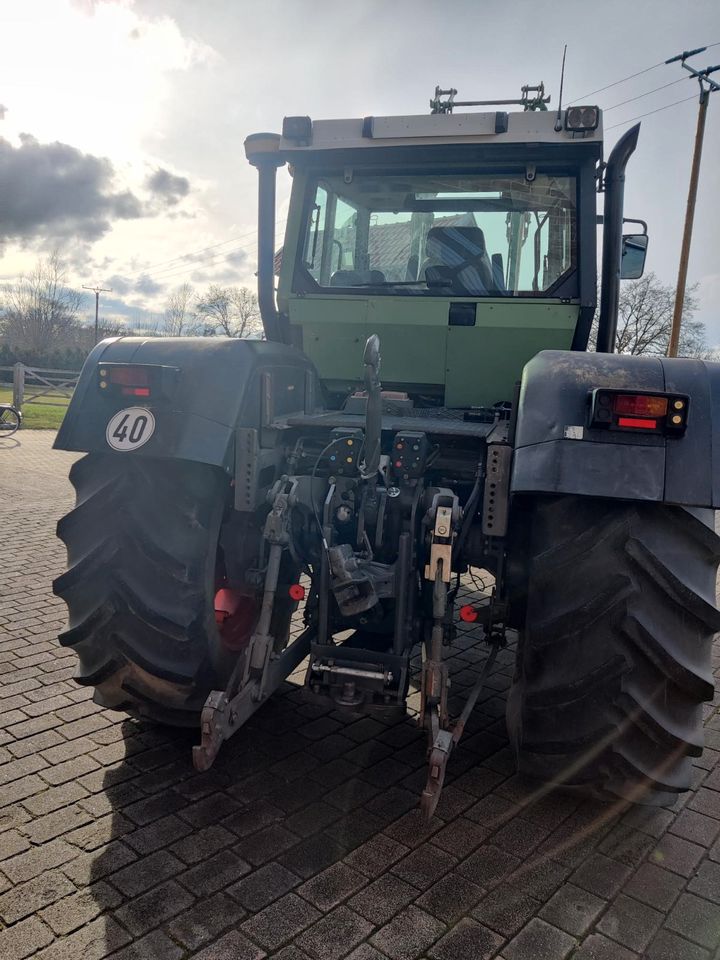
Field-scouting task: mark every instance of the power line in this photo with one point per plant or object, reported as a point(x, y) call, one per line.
point(632, 76)
point(191, 261)
point(213, 261)
point(616, 83)
point(208, 260)
point(650, 112)
point(641, 95)
point(212, 246)
point(188, 263)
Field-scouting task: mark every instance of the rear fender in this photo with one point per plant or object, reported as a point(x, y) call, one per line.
point(556, 452)
point(224, 386)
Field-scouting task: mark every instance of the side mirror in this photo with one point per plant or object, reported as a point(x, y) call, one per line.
point(634, 251)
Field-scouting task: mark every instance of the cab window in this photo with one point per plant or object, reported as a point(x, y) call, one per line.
point(482, 235)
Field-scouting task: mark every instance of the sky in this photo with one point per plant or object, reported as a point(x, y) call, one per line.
point(122, 121)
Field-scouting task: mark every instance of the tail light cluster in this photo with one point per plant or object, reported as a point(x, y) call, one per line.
point(143, 380)
point(639, 411)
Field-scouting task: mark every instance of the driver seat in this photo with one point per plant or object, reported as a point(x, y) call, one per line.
point(459, 247)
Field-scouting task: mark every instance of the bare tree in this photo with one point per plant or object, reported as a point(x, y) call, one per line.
point(180, 319)
point(229, 310)
point(147, 325)
point(247, 312)
point(645, 317)
point(84, 336)
point(40, 309)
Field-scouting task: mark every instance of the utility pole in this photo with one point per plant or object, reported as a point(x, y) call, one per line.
point(97, 291)
point(707, 86)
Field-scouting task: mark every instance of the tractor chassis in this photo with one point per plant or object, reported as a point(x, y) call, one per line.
point(369, 505)
point(361, 680)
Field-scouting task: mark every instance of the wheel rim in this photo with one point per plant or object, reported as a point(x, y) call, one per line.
point(9, 422)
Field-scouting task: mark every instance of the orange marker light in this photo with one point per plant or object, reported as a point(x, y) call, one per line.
point(637, 405)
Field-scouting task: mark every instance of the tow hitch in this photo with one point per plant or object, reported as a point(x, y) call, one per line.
point(443, 735)
point(259, 670)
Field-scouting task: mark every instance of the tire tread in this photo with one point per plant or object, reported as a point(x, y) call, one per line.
point(141, 544)
point(614, 661)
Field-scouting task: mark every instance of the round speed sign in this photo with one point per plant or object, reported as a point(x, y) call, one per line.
point(130, 428)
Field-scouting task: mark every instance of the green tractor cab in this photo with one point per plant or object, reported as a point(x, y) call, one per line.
point(467, 242)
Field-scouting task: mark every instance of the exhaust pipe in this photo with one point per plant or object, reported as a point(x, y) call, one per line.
point(261, 150)
point(612, 238)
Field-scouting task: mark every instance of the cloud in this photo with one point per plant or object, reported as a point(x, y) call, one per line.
point(237, 257)
point(110, 306)
point(145, 284)
point(167, 186)
point(53, 191)
point(710, 288)
point(119, 284)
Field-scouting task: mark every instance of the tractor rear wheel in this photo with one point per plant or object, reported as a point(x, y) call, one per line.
point(614, 662)
point(144, 567)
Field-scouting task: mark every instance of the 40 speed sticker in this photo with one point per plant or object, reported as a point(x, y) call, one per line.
point(130, 428)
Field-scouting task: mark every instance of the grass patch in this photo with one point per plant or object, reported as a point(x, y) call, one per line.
point(39, 416)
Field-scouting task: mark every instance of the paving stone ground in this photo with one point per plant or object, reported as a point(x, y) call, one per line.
point(304, 840)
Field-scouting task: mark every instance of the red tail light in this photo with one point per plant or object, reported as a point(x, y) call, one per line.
point(148, 380)
point(130, 376)
point(660, 413)
point(135, 391)
point(635, 423)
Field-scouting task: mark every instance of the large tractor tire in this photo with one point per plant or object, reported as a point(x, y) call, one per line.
point(144, 559)
point(614, 662)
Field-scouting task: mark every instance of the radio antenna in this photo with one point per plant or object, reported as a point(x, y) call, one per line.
point(558, 121)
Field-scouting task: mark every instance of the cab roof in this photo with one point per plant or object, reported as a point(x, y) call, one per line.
point(301, 135)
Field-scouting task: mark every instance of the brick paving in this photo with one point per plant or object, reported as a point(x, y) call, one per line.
point(304, 840)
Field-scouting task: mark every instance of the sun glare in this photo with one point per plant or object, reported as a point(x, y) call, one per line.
point(96, 77)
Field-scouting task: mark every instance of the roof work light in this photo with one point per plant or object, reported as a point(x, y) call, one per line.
point(582, 119)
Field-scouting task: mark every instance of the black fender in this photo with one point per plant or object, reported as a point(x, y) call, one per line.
point(556, 451)
point(222, 385)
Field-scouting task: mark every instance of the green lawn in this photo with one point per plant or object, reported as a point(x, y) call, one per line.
point(38, 416)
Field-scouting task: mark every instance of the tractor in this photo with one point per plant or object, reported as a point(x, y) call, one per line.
point(424, 402)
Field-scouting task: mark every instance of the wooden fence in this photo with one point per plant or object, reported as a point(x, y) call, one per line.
point(38, 385)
